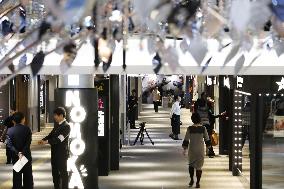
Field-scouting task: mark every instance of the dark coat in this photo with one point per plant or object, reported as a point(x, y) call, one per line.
point(19, 140)
point(58, 139)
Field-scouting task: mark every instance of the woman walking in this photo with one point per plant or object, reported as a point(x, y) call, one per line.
point(194, 140)
point(175, 118)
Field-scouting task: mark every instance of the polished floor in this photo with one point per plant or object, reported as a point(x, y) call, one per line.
point(161, 166)
point(273, 161)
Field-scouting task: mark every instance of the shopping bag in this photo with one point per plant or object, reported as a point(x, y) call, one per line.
point(214, 138)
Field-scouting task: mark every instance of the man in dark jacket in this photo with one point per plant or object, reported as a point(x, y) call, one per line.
point(132, 108)
point(58, 139)
point(8, 123)
point(19, 140)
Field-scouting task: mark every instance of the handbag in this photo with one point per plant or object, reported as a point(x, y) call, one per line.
point(214, 138)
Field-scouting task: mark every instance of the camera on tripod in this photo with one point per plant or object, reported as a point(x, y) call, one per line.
point(142, 124)
point(141, 134)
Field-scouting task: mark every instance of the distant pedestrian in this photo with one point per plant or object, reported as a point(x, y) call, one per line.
point(8, 123)
point(58, 139)
point(175, 118)
point(194, 140)
point(132, 108)
point(19, 139)
point(156, 99)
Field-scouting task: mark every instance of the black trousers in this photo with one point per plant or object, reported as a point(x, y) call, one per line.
point(209, 129)
point(8, 155)
point(175, 124)
point(131, 117)
point(156, 106)
point(27, 174)
point(59, 173)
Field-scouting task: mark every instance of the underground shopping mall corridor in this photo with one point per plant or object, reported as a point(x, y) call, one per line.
point(161, 166)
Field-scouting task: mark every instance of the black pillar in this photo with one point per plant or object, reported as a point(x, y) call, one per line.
point(114, 122)
point(257, 114)
point(225, 126)
point(86, 161)
point(136, 88)
point(102, 85)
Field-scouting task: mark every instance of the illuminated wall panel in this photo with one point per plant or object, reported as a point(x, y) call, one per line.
point(82, 114)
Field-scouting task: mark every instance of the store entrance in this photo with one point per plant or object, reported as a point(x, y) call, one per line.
point(273, 141)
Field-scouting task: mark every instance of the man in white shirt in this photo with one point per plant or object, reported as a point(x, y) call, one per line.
point(156, 98)
point(175, 118)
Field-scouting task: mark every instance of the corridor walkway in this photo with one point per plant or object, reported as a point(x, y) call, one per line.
point(163, 166)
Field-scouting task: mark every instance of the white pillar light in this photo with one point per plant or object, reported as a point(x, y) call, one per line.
point(240, 81)
point(280, 84)
point(77, 145)
point(227, 82)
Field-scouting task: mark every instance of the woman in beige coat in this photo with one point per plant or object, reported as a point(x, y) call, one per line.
point(194, 140)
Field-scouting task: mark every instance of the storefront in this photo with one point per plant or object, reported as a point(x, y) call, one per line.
point(265, 96)
point(168, 86)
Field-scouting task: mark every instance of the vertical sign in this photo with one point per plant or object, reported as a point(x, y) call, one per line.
point(103, 92)
point(82, 114)
point(101, 117)
point(103, 126)
point(77, 145)
point(42, 98)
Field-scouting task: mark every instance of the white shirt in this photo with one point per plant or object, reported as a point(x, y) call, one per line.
point(62, 121)
point(175, 109)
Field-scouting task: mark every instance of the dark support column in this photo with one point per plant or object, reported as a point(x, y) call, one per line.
point(224, 125)
point(38, 103)
point(136, 88)
point(230, 127)
point(114, 122)
point(80, 99)
point(257, 103)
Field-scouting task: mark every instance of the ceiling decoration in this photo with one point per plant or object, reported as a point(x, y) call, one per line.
point(246, 24)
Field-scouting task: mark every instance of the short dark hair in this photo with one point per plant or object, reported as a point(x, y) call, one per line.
point(18, 117)
point(134, 91)
point(60, 111)
point(195, 118)
point(176, 97)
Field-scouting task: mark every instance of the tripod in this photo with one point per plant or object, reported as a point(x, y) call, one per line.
point(141, 134)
